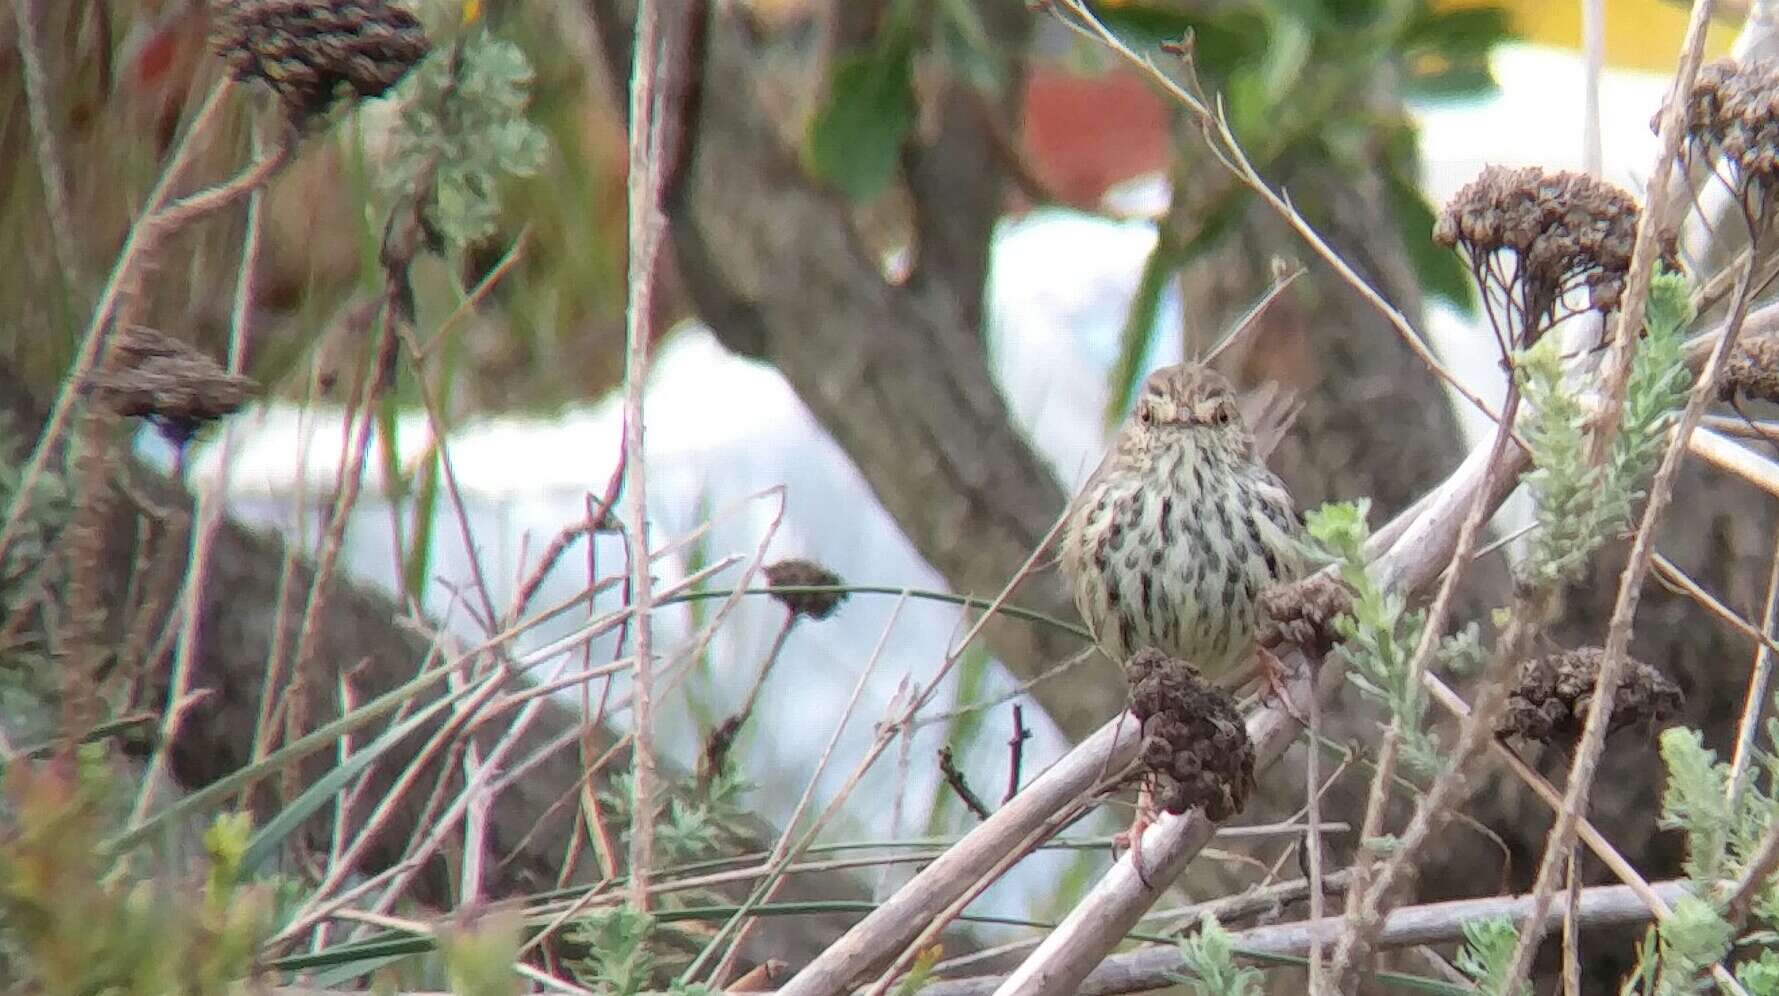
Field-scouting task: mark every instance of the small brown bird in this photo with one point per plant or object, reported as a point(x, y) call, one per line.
point(1179, 530)
point(1174, 536)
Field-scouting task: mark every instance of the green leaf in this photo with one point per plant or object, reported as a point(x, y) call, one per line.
point(319, 739)
point(1694, 801)
point(1448, 81)
point(1488, 953)
point(1440, 272)
point(325, 790)
point(1457, 34)
point(855, 139)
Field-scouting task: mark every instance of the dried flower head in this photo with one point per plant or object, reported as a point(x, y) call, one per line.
point(1752, 370)
point(1533, 237)
point(1303, 613)
point(159, 377)
point(307, 50)
point(1195, 746)
point(1551, 695)
point(805, 574)
point(1732, 127)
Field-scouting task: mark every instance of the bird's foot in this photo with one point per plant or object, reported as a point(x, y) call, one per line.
point(1132, 838)
point(1277, 687)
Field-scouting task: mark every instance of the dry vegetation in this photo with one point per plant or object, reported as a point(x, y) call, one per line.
point(228, 767)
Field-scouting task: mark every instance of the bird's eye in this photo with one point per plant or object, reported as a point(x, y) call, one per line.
point(1145, 414)
point(1222, 413)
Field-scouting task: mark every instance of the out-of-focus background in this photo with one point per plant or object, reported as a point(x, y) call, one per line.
point(919, 258)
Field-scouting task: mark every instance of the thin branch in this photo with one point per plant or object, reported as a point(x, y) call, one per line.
point(783, 852)
point(1618, 632)
point(1755, 701)
point(646, 225)
point(50, 165)
point(144, 235)
point(1475, 517)
point(1157, 966)
point(1644, 250)
point(1757, 876)
point(959, 784)
point(1016, 751)
point(210, 501)
point(1593, 41)
point(1223, 142)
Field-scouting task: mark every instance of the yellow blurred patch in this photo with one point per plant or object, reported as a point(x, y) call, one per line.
point(1640, 34)
point(472, 11)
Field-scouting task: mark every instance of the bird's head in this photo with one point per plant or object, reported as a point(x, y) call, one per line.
point(1189, 406)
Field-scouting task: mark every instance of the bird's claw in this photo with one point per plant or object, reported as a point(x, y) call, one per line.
point(1132, 840)
point(1273, 670)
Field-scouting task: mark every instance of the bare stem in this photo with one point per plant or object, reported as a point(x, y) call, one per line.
point(1479, 512)
point(208, 514)
point(1618, 632)
point(645, 229)
point(1756, 699)
point(144, 235)
point(1617, 371)
point(50, 165)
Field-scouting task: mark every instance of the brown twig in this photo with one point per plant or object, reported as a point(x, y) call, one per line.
point(1755, 701)
point(1157, 966)
point(646, 224)
point(1475, 517)
point(1016, 752)
point(1618, 633)
point(210, 501)
point(959, 784)
point(95, 343)
point(47, 141)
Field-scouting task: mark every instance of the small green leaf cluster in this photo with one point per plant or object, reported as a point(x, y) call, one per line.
point(27, 684)
point(1379, 635)
point(73, 920)
point(465, 122)
point(1488, 953)
point(1683, 947)
point(697, 820)
point(1208, 957)
point(1760, 976)
point(1722, 835)
point(869, 107)
point(1579, 505)
point(620, 959)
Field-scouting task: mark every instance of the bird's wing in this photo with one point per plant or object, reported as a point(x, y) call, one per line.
point(1269, 410)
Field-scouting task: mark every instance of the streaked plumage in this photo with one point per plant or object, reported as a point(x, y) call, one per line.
point(1174, 536)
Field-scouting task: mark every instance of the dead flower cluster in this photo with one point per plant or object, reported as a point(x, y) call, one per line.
point(307, 50)
point(1535, 236)
point(1195, 745)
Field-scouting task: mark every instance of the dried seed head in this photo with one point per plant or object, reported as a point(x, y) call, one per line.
point(1732, 122)
point(1303, 613)
point(156, 376)
point(1195, 746)
point(1550, 699)
point(1752, 370)
point(306, 50)
point(805, 574)
point(1565, 231)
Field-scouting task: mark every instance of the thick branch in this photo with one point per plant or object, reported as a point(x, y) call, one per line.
point(1158, 966)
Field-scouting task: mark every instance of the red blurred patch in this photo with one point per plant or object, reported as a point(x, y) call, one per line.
point(1085, 134)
